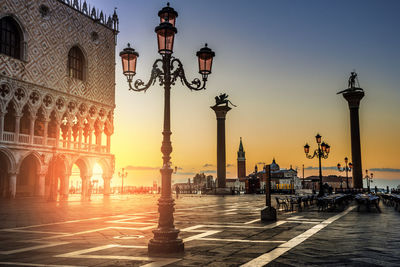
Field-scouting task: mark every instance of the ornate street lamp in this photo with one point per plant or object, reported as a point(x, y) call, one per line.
point(369, 180)
point(167, 70)
point(347, 168)
point(321, 152)
point(122, 174)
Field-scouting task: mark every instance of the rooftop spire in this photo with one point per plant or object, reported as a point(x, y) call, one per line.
point(241, 153)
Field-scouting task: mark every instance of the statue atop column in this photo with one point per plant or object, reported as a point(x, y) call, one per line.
point(353, 84)
point(222, 99)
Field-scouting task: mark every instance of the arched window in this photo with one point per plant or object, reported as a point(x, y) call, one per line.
point(76, 63)
point(10, 38)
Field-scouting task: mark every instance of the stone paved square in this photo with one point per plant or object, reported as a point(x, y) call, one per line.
point(217, 231)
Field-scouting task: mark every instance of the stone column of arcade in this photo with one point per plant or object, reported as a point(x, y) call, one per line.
point(353, 95)
point(107, 189)
point(12, 182)
point(220, 112)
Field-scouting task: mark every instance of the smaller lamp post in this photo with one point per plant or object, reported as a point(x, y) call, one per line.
point(347, 168)
point(123, 174)
point(369, 180)
point(321, 152)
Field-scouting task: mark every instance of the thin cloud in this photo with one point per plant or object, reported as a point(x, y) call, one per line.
point(207, 165)
point(140, 168)
point(208, 171)
point(230, 165)
point(186, 173)
point(260, 163)
point(324, 168)
point(384, 170)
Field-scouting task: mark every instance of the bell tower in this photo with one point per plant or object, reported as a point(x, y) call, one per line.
point(241, 161)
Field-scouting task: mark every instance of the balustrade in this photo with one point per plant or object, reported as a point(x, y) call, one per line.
point(38, 140)
point(8, 137)
point(25, 139)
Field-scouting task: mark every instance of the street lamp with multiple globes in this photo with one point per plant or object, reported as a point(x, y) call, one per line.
point(167, 70)
point(321, 152)
point(122, 174)
point(346, 169)
point(369, 180)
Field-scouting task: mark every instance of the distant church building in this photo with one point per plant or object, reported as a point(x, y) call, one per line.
point(241, 161)
point(57, 95)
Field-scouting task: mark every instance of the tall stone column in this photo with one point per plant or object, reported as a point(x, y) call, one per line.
point(353, 98)
point(220, 112)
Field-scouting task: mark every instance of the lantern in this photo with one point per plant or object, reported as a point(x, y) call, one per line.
point(205, 56)
point(328, 148)
point(129, 57)
point(165, 36)
point(306, 148)
point(318, 138)
point(169, 14)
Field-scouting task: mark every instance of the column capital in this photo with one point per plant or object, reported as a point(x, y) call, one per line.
point(354, 98)
point(220, 111)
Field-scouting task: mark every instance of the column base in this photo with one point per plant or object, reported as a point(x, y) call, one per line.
point(268, 214)
point(160, 247)
point(223, 191)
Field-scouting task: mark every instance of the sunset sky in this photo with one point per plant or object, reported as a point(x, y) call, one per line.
point(281, 63)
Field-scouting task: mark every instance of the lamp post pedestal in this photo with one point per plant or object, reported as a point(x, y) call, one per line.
point(220, 112)
point(353, 98)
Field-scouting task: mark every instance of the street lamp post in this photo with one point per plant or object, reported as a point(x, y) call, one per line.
point(369, 180)
point(122, 174)
point(321, 152)
point(167, 70)
point(347, 168)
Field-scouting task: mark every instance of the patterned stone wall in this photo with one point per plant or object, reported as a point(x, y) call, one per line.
point(48, 39)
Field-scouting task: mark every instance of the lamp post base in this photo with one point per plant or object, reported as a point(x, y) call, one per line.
point(166, 246)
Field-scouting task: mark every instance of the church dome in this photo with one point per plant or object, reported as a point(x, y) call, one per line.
point(274, 166)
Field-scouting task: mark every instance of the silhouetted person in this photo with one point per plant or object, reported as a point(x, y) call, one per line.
point(177, 192)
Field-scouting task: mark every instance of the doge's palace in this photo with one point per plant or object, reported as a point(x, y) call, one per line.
point(57, 95)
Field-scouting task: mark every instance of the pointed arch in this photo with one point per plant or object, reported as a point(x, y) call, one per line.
point(10, 159)
point(77, 63)
point(9, 118)
point(25, 121)
point(29, 170)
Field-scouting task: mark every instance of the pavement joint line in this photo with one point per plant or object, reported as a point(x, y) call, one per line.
point(100, 229)
point(154, 261)
point(242, 240)
point(8, 263)
point(56, 223)
point(45, 245)
point(30, 231)
point(266, 258)
point(252, 221)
